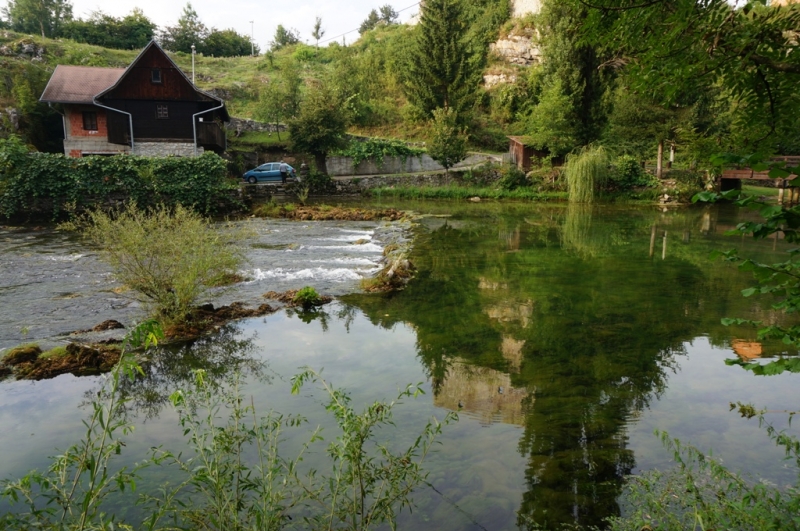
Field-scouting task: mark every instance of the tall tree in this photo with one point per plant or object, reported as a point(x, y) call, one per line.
point(318, 31)
point(442, 71)
point(38, 16)
point(280, 99)
point(320, 125)
point(132, 32)
point(189, 30)
point(284, 37)
point(226, 43)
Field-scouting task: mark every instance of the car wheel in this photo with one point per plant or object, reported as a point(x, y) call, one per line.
point(252, 180)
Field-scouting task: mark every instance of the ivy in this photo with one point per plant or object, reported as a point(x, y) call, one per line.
point(377, 149)
point(45, 183)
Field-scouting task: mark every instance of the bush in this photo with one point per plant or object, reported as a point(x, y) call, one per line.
point(307, 297)
point(169, 258)
point(51, 184)
point(511, 177)
point(376, 149)
point(627, 174)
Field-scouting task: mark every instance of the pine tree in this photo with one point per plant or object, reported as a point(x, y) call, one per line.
point(442, 69)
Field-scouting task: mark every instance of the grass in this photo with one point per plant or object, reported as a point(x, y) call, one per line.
point(54, 353)
point(464, 192)
point(768, 191)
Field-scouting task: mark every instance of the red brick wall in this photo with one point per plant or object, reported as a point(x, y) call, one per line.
point(75, 122)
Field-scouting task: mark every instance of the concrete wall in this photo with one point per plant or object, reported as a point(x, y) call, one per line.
point(341, 166)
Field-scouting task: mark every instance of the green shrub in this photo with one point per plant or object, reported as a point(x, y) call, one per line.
point(511, 177)
point(50, 183)
point(169, 257)
point(628, 173)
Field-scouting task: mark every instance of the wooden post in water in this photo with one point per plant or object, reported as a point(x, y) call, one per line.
point(652, 240)
point(664, 247)
point(781, 190)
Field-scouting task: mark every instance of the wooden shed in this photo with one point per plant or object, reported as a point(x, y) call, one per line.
point(522, 154)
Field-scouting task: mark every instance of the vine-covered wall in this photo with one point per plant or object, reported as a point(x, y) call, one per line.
point(44, 184)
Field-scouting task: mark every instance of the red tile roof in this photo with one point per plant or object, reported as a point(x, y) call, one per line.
point(79, 84)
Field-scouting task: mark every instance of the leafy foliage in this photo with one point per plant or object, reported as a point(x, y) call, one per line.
point(376, 149)
point(586, 172)
point(41, 182)
point(307, 297)
point(227, 43)
point(169, 258)
point(320, 125)
point(189, 31)
point(448, 143)
point(284, 37)
point(702, 493)
point(131, 32)
point(386, 16)
point(44, 17)
point(69, 495)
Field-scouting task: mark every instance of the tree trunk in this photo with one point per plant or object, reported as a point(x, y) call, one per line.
point(660, 159)
point(322, 167)
point(671, 156)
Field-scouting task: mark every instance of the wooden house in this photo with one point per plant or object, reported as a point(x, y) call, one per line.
point(149, 108)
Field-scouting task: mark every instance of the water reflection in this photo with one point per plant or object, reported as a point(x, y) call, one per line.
point(170, 368)
point(567, 321)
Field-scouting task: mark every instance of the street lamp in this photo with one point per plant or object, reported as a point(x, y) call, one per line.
point(192, 64)
point(252, 44)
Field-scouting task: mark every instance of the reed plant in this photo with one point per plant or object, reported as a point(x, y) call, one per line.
point(587, 171)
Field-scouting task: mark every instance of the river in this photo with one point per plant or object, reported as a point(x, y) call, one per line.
point(562, 335)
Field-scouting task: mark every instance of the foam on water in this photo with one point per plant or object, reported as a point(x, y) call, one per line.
point(351, 261)
point(365, 248)
point(67, 258)
point(339, 274)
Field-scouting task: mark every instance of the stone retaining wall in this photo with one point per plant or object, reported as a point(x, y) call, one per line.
point(343, 166)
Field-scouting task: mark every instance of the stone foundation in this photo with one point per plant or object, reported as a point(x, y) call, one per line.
point(166, 149)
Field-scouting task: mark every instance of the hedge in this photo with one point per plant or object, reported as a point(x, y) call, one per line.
point(36, 184)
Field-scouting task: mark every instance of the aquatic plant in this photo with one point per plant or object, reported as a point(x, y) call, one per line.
point(586, 172)
point(170, 258)
point(307, 297)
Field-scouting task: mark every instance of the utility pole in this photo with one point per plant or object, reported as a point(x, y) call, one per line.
point(252, 44)
point(193, 51)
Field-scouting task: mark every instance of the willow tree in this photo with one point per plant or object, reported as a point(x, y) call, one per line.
point(442, 70)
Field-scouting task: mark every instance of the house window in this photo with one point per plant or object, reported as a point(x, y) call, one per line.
point(89, 121)
point(155, 75)
point(162, 112)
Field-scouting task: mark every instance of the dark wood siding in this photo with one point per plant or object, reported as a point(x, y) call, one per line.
point(137, 84)
point(146, 124)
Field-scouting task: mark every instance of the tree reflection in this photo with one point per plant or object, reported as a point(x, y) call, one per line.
point(171, 367)
point(558, 320)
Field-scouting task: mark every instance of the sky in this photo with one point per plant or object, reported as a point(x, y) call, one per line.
point(338, 16)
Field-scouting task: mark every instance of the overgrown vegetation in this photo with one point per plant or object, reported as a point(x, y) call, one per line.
point(236, 475)
point(376, 149)
point(47, 184)
point(169, 257)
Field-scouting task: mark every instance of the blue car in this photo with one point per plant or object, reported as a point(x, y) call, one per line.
point(269, 172)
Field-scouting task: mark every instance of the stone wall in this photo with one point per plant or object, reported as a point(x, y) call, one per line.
point(165, 149)
point(243, 125)
point(78, 146)
point(341, 166)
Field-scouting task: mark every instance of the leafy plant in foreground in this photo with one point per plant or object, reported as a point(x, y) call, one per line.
point(68, 496)
point(369, 483)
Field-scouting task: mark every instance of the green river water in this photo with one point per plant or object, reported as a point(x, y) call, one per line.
point(562, 335)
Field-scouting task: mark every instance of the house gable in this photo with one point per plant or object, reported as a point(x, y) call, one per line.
point(154, 76)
